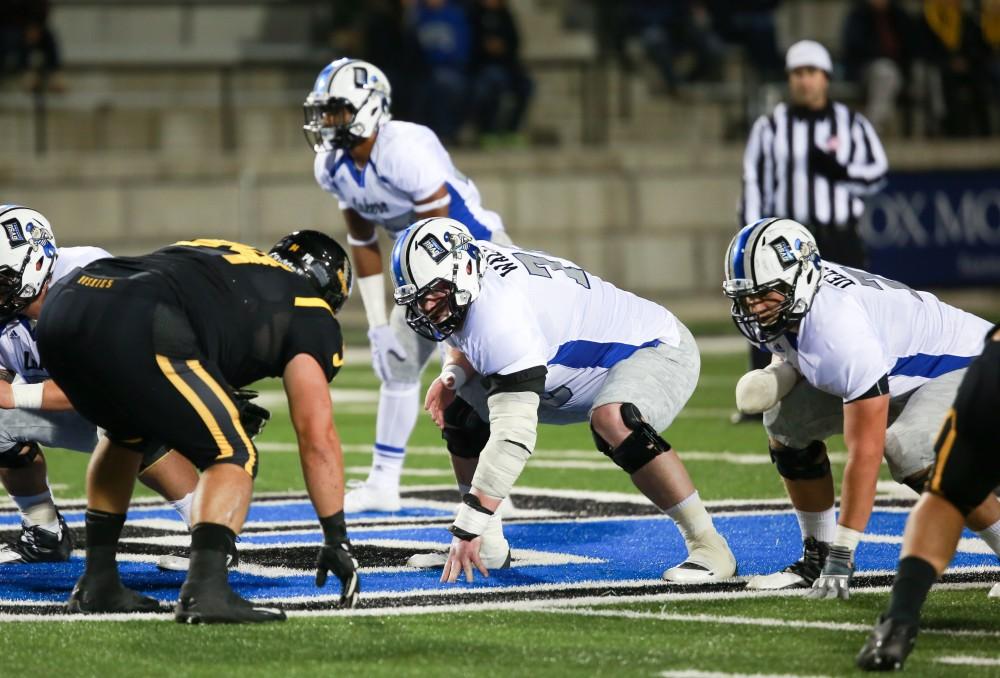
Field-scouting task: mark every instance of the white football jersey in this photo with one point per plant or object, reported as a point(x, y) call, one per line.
point(408, 164)
point(535, 309)
point(18, 350)
point(862, 326)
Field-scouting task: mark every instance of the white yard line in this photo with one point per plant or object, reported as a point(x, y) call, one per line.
point(968, 660)
point(694, 673)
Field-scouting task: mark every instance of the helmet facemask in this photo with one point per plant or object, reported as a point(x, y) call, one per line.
point(771, 323)
point(439, 308)
point(343, 133)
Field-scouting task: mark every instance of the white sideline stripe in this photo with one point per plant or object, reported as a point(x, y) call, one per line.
point(757, 621)
point(969, 660)
point(694, 673)
point(515, 606)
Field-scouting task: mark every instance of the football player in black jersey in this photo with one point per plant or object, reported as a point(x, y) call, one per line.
point(965, 473)
point(153, 349)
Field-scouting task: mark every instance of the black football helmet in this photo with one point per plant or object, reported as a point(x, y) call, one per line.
point(322, 260)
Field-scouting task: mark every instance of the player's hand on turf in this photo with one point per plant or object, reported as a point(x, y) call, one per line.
point(462, 557)
point(835, 580)
point(385, 349)
point(439, 397)
point(337, 558)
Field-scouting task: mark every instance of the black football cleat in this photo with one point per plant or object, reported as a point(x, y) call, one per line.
point(35, 544)
point(107, 594)
point(888, 645)
point(220, 605)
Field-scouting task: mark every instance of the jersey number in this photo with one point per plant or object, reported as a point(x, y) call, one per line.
point(878, 282)
point(241, 254)
point(539, 265)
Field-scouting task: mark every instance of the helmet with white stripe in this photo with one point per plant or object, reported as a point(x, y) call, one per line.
point(436, 268)
point(27, 255)
point(771, 255)
point(348, 102)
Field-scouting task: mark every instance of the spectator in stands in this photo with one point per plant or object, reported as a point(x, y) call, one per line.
point(669, 31)
point(750, 24)
point(27, 34)
point(955, 46)
point(391, 44)
point(502, 87)
point(444, 35)
point(877, 53)
point(990, 21)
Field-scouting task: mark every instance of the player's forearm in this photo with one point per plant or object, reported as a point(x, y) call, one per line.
point(45, 396)
point(857, 494)
point(323, 470)
point(513, 431)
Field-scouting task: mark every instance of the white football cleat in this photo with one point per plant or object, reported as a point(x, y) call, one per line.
point(364, 496)
point(711, 560)
point(994, 592)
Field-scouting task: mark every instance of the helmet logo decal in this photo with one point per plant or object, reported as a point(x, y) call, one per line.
point(15, 234)
point(786, 255)
point(435, 250)
point(360, 76)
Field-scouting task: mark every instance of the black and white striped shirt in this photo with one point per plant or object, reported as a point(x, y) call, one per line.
point(778, 180)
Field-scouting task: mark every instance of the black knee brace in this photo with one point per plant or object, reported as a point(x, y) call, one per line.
point(808, 463)
point(464, 432)
point(19, 456)
point(639, 448)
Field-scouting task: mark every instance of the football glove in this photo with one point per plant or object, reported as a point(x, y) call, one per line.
point(253, 417)
point(835, 580)
point(335, 556)
point(385, 348)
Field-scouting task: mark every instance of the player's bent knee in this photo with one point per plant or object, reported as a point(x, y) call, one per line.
point(641, 446)
point(19, 456)
point(464, 432)
point(808, 463)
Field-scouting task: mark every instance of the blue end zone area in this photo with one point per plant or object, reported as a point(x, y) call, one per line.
point(551, 553)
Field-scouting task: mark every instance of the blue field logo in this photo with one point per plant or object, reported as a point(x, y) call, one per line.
point(562, 545)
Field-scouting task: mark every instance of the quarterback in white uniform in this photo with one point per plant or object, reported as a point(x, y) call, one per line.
point(385, 173)
point(854, 353)
point(33, 409)
point(590, 352)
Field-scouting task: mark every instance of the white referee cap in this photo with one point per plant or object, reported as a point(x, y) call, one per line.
point(808, 53)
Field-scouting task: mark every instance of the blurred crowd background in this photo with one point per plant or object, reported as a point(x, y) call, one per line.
point(609, 131)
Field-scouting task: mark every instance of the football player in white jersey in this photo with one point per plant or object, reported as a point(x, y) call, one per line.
point(385, 173)
point(854, 353)
point(589, 353)
point(33, 409)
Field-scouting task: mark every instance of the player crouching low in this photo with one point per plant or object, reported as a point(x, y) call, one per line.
point(860, 355)
point(536, 338)
point(152, 349)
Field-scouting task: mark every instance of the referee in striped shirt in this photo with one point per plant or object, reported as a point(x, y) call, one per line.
point(813, 160)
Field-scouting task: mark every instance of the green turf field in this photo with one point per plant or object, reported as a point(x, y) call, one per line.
point(655, 635)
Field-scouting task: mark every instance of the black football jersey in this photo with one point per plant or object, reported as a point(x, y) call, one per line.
point(250, 314)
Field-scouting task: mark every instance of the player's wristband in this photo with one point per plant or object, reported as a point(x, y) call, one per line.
point(358, 242)
point(847, 538)
point(27, 396)
point(372, 288)
point(471, 519)
point(457, 375)
point(334, 528)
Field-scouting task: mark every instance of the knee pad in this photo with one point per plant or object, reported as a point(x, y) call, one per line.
point(808, 463)
point(20, 455)
point(639, 448)
point(464, 431)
